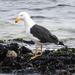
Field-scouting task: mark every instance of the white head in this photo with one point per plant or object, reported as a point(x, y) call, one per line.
point(25, 17)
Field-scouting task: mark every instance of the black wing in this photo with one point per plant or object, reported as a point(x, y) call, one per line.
point(43, 34)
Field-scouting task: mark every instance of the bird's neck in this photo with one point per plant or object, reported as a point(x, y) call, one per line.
point(28, 22)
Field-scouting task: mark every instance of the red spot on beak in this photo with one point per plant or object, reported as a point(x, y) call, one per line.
point(17, 19)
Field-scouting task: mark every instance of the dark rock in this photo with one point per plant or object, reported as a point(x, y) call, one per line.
point(21, 40)
point(60, 62)
point(25, 50)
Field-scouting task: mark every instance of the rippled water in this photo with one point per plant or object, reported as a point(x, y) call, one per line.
point(56, 15)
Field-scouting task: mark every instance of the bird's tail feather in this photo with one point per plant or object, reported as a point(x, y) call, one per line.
point(61, 43)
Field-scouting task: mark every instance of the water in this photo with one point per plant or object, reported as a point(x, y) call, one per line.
point(56, 15)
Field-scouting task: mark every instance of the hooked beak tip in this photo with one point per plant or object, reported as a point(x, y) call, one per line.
point(17, 19)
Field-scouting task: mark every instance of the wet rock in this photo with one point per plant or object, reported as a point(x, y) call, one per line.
point(65, 73)
point(11, 54)
point(21, 40)
point(25, 50)
point(16, 59)
point(1, 41)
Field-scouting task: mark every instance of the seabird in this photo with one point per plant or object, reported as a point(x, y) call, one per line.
point(37, 33)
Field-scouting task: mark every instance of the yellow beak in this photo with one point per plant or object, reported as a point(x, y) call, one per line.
point(17, 19)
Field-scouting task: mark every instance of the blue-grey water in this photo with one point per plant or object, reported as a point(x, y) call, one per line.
point(58, 16)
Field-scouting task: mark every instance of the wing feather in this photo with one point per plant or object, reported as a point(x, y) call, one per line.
point(43, 34)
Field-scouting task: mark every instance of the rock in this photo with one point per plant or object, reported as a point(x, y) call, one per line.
point(11, 54)
point(1, 41)
point(16, 58)
point(21, 40)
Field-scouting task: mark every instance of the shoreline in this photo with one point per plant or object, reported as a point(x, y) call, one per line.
point(15, 59)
